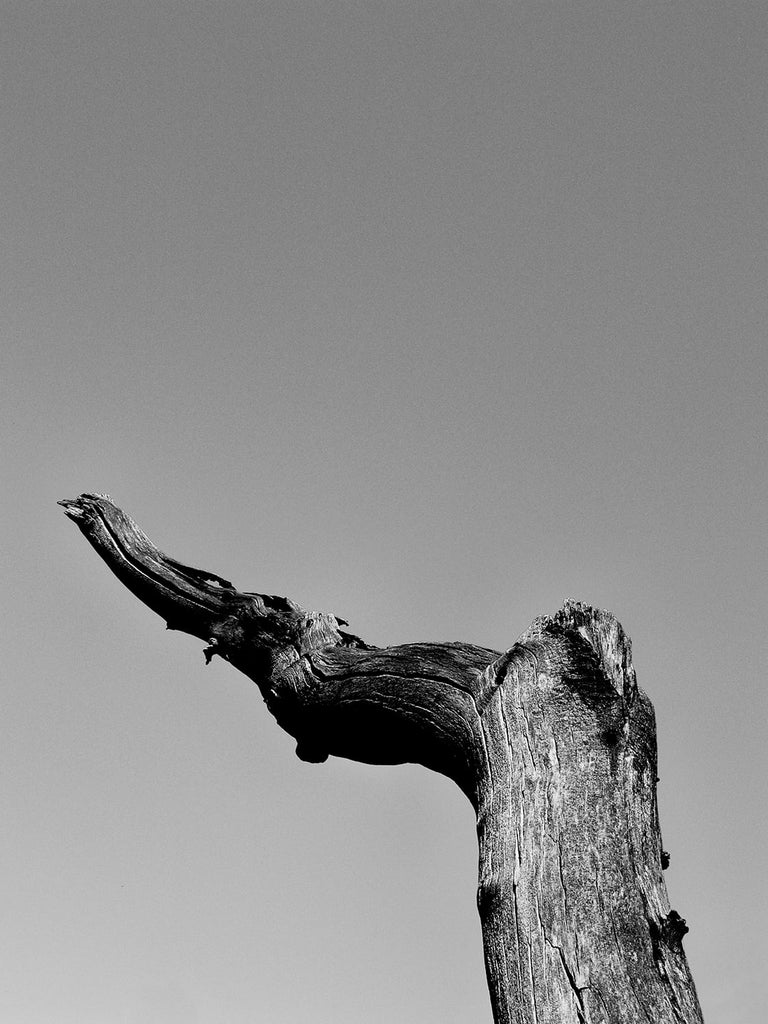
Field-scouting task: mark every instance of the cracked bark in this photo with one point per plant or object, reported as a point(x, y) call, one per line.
point(552, 742)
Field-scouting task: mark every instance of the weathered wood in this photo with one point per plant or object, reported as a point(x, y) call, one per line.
point(553, 743)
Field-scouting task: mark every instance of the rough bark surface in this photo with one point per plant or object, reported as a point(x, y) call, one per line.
point(552, 742)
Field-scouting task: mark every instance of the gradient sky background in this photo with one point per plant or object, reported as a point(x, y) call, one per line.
point(426, 314)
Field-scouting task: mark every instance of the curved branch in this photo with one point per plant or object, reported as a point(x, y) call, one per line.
point(327, 688)
point(552, 741)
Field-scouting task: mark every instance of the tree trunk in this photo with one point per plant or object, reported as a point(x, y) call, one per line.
point(552, 742)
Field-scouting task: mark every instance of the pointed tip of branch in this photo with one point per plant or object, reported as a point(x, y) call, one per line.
point(72, 508)
point(189, 599)
point(76, 508)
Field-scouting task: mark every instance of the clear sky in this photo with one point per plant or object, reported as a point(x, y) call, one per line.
point(426, 314)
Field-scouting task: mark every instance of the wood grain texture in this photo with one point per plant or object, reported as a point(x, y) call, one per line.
point(552, 742)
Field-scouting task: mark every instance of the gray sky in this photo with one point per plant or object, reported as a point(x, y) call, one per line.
point(426, 314)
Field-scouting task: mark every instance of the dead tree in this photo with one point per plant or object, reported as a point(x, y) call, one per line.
point(552, 742)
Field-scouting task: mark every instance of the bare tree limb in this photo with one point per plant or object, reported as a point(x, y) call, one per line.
point(552, 742)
